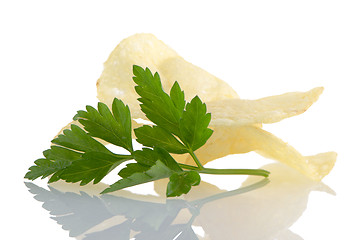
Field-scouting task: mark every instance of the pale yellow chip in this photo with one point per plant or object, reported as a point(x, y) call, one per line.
point(236, 122)
point(222, 101)
point(146, 50)
point(232, 112)
point(242, 139)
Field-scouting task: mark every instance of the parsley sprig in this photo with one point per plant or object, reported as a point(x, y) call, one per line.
point(180, 127)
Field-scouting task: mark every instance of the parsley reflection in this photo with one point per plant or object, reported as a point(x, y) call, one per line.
point(258, 210)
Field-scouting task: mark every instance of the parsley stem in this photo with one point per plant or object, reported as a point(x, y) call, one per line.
point(200, 167)
point(255, 172)
point(189, 167)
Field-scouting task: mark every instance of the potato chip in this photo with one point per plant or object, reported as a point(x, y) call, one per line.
point(265, 110)
point(242, 139)
point(194, 81)
point(222, 101)
point(236, 122)
point(146, 50)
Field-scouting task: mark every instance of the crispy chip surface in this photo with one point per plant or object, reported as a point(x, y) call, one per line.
point(236, 122)
point(265, 110)
point(242, 139)
point(146, 50)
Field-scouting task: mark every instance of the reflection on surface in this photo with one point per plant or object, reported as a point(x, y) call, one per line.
point(258, 210)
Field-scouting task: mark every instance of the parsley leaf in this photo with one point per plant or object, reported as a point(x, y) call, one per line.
point(93, 166)
point(190, 125)
point(158, 171)
point(77, 156)
point(61, 153)
point(194, 123)
point(60, 158)
point(146, 158)
point(152, 164)
point(132, 168)
point(45, 167)
point(180, 127)
point(114, 128)
point(168, 160)
point(155, 103)
point(181, 183)
point(70, 147)
point(178, 97)
point(77, 139)
point(158, 137)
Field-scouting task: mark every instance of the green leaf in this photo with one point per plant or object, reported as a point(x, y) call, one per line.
point(70, 147)
point(155, 103)
point(77, 139)
point(156, 172)
point(56, 159)
point(45, 167)
point(158, 137)
point(61, 153)
point(56, 154)
point(93, 166)
point(77, 156)
point(178, 97)
point(167, 112)
point(167, 159)
point(132, 168)
point(181, 182)
point(146, 158)
point(194, 124)
point(114, 128)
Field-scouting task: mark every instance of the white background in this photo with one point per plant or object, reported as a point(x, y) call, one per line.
point(51, 54)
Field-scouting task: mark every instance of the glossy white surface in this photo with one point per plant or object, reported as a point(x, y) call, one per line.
point(51, 54)
point(260, 209)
